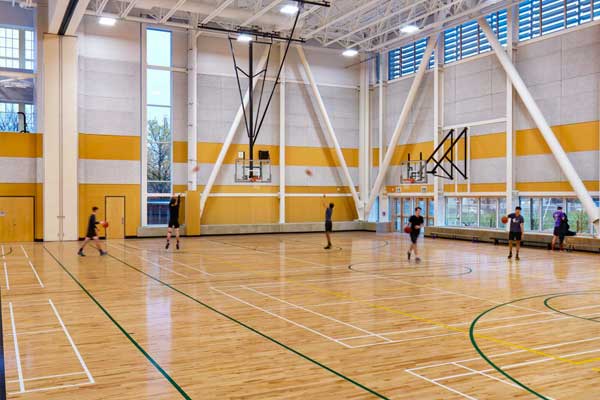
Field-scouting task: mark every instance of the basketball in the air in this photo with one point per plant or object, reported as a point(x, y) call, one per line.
point(407, 229)
point(308, 172)
point(104, 224)
point(504, 219)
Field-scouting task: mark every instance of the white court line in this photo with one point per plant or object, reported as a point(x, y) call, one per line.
point(38, 332)
point(545, 347)
point(2, 248)
point(483, 373)
point(319, 314)
point(24, 252)
point(6, 276)
point(53, 388)
point(441, 385)
point(153, 263)
point(85, 368)
point(168, 259)
point(17, 353)
point(509, 366)
point(270, 284)
point(48, 377)
point(280, 317)
point(36, 274)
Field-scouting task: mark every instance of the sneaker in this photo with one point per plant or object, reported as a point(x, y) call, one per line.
point(167, 246)
point(327, 247)
point(80, 253)
point(408, 255)
point(103, 253)
point(517, 257)
point(418, 260)
point(509, 255)
point(177, 245)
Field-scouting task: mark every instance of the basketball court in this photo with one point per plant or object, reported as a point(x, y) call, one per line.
point(299, 199)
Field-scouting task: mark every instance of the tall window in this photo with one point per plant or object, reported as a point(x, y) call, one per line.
point(468, 39)
point(406, 60)
point(483, 212)
point(540, 17)
point(159, 138)
point(17, 52)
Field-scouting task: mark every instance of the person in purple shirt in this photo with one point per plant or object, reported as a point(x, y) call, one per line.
point(558, 216)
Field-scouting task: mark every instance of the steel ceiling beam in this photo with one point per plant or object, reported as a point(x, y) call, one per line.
point(343, 17)
point(172, 11)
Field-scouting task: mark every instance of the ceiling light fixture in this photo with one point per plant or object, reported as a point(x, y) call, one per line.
point(408, 29)
point(107, 21)
point(289, 9)
point(244, 37)
point(350, 53)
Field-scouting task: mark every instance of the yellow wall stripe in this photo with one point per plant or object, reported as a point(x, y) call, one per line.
point(553, 186)
point(573, 137)
point(109, 147)
point(27, 145)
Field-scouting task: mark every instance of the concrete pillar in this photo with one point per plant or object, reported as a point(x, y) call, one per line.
point(59, 71)
point(364, 138)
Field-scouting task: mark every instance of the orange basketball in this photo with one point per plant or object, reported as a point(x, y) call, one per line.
point(504, 219)
point(308, 172)
point(104, 224)
point(407, 229)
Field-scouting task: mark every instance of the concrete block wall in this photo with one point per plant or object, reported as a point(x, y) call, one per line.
point(562, 72)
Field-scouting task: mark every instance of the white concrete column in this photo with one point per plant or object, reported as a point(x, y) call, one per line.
point(363, 137)
point(192, 71)
point(438, 127)
point(282, 136)
point(512, 20)
point(60, 149)
point(383, 197)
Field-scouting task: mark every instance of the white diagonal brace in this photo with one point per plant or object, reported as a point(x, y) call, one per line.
point(78, 14)
point(342, 17)
point(229, 138)
point(536, 114)
point(101, 7)
point(412, 94)
point(262, 12)
point(172, 11)
point(128, 9)
point(375, 22)
point(329, 129)
point(214, 14)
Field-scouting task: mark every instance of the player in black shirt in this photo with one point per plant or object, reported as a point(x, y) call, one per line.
point(415, 223)
point(173, 220)
point(92, 234)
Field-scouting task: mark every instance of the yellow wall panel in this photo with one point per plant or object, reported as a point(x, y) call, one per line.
point(310, 209)
point(488, 146)
point(93, 195)
point(28, 145)
point(573, 137)
point(109, 147)
point(553, 186)
point(241, 210)
point(28, 189)
point(180, 152)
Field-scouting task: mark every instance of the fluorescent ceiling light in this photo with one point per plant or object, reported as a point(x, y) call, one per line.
point(107, 21)
point(409, 29)
point(349, 53)
point(289, 9)
point(244, 37)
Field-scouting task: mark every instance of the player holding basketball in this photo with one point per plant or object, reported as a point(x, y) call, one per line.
point(558, 216)
point(328, 221)
point(515, 235)
point(92, 234)
point(415, 223)
point(173, 220)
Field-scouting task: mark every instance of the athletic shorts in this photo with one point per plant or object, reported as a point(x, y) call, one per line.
point(91, 233)
point(515, 236)
point(173, 223)
point(414, 235)
point(556, 231)
point(328, 226)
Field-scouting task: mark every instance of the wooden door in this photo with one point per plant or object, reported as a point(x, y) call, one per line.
point(16, 219)
point(115, 215)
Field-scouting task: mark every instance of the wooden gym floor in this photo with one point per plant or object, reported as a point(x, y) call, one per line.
point(278, 317)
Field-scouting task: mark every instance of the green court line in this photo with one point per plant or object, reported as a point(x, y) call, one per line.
point(132, 340)
point(547, 304)
point(490, 362)
point(264, 335)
